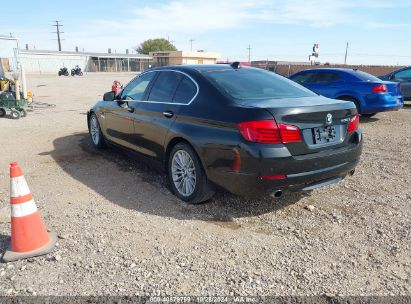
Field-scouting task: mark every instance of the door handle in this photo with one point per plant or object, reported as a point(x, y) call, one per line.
point(168, 114)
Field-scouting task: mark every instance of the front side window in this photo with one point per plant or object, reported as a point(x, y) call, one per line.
point(135, 89)
point(165, 86)
point(303, 78)
point(249, 83)
point(405, 74)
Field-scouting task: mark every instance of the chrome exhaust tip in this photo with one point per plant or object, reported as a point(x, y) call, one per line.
point(277, 193)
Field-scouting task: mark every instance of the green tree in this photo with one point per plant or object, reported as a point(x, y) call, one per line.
point(155, 45)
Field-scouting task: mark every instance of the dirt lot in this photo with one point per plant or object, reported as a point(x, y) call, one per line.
point(121, 232)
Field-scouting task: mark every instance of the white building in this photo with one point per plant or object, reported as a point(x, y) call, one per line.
point(36, 61)
point(9, 47)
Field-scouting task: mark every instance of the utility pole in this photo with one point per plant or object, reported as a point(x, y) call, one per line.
point(191, 44)
point(58, 32)
point(346, 51)
point(249, 53)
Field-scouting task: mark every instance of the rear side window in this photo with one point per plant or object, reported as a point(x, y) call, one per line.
point(186, 90)
point(250, 83)
point(366, 77)
point(165, 86)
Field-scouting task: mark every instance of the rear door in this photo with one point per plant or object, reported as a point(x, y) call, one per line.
point(326, 83)
point(154, 116)
point(404, 77)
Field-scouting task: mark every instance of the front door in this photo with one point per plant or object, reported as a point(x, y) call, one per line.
point(119, 115)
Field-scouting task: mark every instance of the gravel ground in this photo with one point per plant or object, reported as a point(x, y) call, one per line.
point(121, 232)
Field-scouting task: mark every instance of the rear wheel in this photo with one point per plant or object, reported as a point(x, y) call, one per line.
point(23, 112)
point(186, 175)
point(95, 132)
point(2, 112)
point(355, 101)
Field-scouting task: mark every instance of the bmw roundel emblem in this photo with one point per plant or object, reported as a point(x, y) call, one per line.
point(329, 119)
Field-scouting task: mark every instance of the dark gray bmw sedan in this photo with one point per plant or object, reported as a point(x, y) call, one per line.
point(247, 130)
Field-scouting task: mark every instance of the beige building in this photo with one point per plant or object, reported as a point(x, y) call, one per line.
point(181, 57)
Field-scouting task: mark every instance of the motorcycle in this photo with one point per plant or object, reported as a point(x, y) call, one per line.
point(76, 71)
point(63, 71)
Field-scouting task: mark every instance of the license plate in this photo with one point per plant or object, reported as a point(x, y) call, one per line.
point(324, 135)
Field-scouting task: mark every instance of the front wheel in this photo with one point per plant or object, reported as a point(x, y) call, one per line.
point(95, 132)
point(15, 114)
point(187, 178)
point(2, 112)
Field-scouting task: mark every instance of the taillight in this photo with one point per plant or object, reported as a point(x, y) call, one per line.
point(261, 131)
point(268, 132)
point(380, 88)
point(353, 124)
point(289, 133)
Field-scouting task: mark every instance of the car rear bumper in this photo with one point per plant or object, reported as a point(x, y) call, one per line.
point(382, 102)
point(303, 172)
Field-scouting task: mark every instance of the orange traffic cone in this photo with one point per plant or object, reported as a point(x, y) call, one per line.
point(29, 236)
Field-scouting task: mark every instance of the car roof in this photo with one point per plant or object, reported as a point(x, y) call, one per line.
point(348, 71)
point(199, 67)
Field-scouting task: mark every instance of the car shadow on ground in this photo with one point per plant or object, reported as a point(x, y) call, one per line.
point(4, 243)
point(129, 182)
point(368, 119)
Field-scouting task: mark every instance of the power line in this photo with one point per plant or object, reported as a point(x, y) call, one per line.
point(191, 44)
point(58, 32)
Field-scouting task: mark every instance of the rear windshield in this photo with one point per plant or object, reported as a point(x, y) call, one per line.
point(248, 83)
point(366, 77)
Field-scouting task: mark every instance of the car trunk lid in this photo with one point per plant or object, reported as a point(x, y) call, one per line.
point(322, 121)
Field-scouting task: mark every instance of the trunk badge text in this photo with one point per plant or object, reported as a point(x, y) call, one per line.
point(329, 119)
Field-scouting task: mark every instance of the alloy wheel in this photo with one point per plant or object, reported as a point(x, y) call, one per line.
point(183, 173)
point(94, 130)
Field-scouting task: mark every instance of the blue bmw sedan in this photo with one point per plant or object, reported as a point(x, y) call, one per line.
point(369, 93)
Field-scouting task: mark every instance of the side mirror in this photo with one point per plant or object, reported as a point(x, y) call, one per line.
point(109, 96)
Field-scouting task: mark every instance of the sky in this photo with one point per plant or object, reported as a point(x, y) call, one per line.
point(377, 32)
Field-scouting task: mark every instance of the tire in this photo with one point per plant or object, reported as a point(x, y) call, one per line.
point(194, 187)
point(368, 115)
point(15, 114)
point(23, 112)
point(81, 74)
point(2, 112)
point(355, 101)
point(59, 73)
point(96, 135)
point(66, 73)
